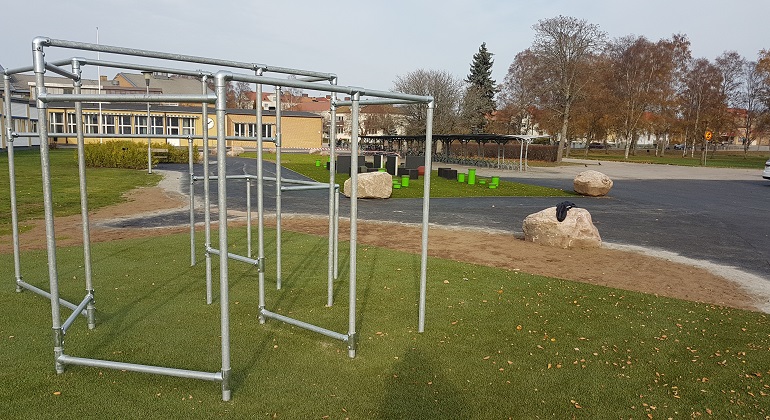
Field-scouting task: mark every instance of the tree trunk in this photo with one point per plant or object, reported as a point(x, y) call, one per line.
point(563, 134)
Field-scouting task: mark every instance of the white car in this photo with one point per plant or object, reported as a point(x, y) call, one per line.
point(766, 173)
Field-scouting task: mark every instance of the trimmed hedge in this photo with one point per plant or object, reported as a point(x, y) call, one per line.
point(131, 155)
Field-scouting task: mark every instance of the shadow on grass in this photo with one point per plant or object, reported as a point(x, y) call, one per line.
point(416, 389)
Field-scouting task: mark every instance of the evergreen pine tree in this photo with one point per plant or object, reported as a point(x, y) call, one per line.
point(480, 95)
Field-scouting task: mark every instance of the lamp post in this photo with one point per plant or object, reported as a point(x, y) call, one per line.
point(147, 76)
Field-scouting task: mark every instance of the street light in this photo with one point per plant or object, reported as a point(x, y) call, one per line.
point(147, 76)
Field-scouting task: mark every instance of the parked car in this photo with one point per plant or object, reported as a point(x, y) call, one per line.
point(679, 146)
point(766, 173)
point(595, 145)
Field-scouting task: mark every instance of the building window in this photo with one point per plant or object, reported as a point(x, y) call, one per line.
point(141, 124)
point(72, 126)
point(172, 126)
point(250, 130)
point(91, 123)
point(57, 122)
point(188, 126)
point(19, 125)
point(124, 124)
point(157, 125)
point(108, 124)
point(243, 130)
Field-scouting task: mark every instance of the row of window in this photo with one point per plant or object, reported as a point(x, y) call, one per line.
point(123, 124)
point(250, 130)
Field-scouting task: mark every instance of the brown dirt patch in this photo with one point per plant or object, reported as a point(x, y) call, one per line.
point(619, 269)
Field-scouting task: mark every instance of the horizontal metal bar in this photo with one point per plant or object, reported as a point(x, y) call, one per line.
point(143, 68)
point(372, 102)
point(296, 181)
point(232, 256)
point(26, 69)
point(132, 367)
point(239, 138)
point(126, 136)
point(43, 293)
point(310, 327)
point(62, 72)
point(15, 134)
point(179, 57)
point(306, 187)
point(214, 177)
point(86, 300)
point(72, 97)
point(330, 88)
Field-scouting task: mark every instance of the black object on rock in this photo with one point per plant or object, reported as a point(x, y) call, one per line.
point(562, 208)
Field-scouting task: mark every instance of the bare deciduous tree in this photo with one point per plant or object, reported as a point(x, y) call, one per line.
point(446, 91)
point(563, 46)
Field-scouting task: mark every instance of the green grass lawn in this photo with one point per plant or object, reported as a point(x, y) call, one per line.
point(498, 343)
point(305, 164)
point(720, 159)
point(105, 186)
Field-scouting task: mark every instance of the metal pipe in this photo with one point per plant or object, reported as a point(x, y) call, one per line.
point(12, 180)
point(68, 97)
point(177, 57)
point(332, 169)
point(26, 69)
point(336, 234)
point(377, 101)
point(78, 310)
point(116, 136)
point(425, 217)
point(45, 164)
point(353, 222)
point(221, 80)
point(132, 367)
point(236, 257)
point(149, 125)
point(310, 327)
point(239, 138)
point(206, 192)
point(192, 201)
point(278, 93)
point(248, 217)
point(84, 199)
point(349, 90)
point(143, 68)
point(73, 76)
point(305, 187)
point(24, 285)
point(260, 202)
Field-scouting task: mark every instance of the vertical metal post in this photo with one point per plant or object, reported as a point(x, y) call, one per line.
point(192, 199)
point(12, 180)
point(90, 310)
point(353, 224)
point(336, 234)
point(147, 76)
point(45, 164)
point(248, 217)
point(206, 191)
point(278, 92)
point(425, 218)
point(332, 173)
point(224, 302)
point(260, 202)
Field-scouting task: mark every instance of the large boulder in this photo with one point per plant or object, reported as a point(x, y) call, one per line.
point(576, 231)
point(592, 183)
point(235, 151)
point(371, 185)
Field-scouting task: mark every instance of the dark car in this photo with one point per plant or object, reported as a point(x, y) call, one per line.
point(596, 145)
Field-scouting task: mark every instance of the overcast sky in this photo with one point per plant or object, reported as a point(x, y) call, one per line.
point(366, 43)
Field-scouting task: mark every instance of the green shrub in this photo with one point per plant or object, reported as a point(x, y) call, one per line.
point(132, 155)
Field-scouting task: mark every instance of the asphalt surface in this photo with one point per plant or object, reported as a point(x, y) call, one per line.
point(711, 214)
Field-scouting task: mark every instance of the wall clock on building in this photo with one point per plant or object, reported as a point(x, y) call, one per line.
point(210, 123)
